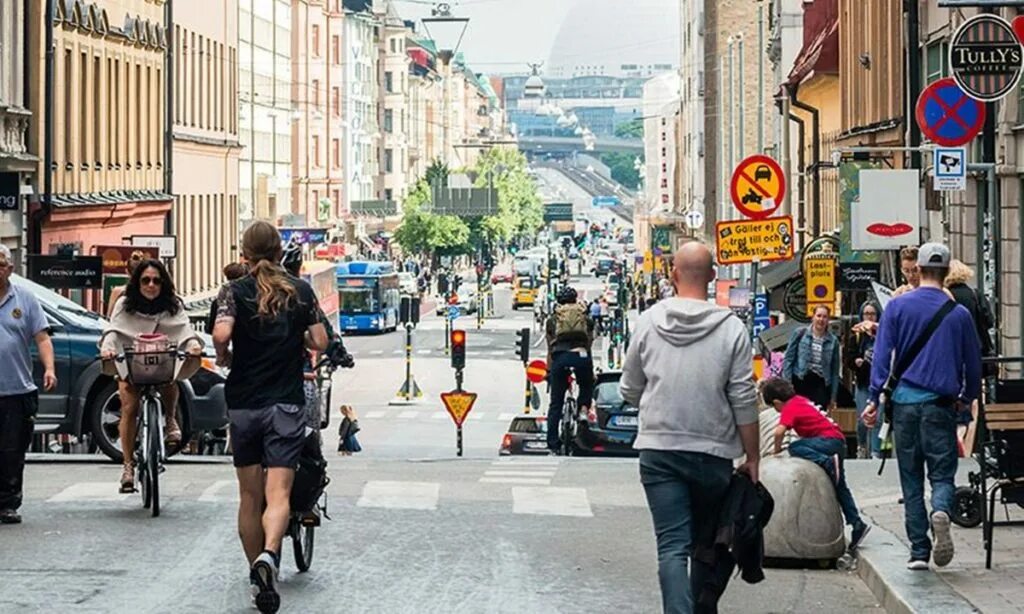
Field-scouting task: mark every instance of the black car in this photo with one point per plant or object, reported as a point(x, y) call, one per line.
point(611, 424)
point(527, 434)
point(85, 401)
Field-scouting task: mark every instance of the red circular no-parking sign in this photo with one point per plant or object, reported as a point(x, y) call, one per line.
point(758, 186)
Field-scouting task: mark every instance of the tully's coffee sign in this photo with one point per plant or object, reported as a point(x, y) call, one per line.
point(858, 275)
point(986, 57)
point(66, 272)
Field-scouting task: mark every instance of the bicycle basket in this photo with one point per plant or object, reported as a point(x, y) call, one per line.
point(151, 362)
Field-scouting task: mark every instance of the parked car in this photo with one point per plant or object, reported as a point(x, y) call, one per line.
point(611, 294)
point(610, 426)
point(467, 304)
point(527, 434)
point(502, 275)
point(85, 401)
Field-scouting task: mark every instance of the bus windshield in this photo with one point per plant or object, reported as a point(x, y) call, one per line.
point(357, 300)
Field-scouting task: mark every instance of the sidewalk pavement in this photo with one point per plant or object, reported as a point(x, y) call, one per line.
point(962, 586)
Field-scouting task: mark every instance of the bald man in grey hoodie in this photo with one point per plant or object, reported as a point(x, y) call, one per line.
point(689, 371)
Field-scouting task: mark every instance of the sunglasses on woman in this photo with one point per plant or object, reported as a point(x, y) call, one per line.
point(151, 281)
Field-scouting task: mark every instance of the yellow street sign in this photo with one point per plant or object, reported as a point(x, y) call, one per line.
point(648, 262)
point(820, 280)
point(743, 241)
point(458, 404)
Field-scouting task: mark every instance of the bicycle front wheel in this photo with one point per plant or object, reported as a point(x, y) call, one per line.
point(141, 454)
point(302, 545)
point(568, 417)
point(153, 454)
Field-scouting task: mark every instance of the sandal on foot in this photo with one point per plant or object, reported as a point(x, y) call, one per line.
point(128, 480)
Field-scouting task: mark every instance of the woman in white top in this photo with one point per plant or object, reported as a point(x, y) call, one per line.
point(148, 306)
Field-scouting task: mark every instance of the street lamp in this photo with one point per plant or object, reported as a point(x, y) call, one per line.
point(446, 31)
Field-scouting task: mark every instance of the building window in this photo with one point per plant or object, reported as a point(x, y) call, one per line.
point(389, 161)
point(389, 195)
point(389, 82)
point(335, 153)
point(335, 49)
point(316, 93)
point(336, 101)
point(394, 45)
point(316, 150)
point(389, 119)
point(936, 60)
point(316, 40)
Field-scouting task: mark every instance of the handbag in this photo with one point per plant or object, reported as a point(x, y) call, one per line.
point(900, 367)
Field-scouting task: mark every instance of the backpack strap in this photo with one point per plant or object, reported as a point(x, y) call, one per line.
point(906, 360)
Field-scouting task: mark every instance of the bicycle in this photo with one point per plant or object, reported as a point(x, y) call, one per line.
point(302, 524)
point(567, 426)
point(148, 371)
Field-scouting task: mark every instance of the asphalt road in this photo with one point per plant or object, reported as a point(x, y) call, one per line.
point(414, 530)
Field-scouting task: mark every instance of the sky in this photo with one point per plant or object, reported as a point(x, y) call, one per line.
point(505, 35)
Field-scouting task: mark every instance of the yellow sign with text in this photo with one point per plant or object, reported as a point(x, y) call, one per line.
point(820, 279)
point(745, 241)
point(648, 262)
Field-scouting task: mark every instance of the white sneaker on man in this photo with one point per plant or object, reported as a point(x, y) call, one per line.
point(942, 549)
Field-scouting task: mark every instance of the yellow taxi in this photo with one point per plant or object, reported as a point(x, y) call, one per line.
point(524, 292)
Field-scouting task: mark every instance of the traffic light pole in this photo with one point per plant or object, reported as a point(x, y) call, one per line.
point(447, 333)
point(523, 351)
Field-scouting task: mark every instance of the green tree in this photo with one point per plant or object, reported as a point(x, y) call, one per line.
point(437, 174)
point(520, 208)
point(633, 129)
point(425, 232)
point(622, 167)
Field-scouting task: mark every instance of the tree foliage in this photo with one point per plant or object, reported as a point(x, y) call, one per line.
point(425, 232)
point(622, 167)
point(520, 209)
point(633, 129)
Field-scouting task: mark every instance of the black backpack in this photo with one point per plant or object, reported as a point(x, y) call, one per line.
point(310, 475)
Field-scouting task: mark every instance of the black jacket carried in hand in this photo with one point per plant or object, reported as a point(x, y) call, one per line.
point(738, 541)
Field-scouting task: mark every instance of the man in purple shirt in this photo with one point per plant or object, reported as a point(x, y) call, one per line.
point(944, 377)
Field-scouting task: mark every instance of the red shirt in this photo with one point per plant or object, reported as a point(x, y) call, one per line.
point(807, 420)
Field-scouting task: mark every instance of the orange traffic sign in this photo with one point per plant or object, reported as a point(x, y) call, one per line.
point(758, 186)
point(458, 403)
point(536, 371)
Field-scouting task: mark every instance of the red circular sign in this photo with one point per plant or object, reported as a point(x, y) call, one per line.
point(947, 115)
point(758, 186)
point(536, 371)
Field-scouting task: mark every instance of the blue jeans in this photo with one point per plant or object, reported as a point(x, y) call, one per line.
point(582, 367)
point(820, 451)
point(874, 446)
point(925, 436)
point(684, 491)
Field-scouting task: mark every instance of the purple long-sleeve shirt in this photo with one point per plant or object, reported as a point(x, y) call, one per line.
point(950, 363)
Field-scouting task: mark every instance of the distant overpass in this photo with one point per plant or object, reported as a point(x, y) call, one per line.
point(566, 144)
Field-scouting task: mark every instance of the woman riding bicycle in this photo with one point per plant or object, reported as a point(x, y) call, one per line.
point(149, 306)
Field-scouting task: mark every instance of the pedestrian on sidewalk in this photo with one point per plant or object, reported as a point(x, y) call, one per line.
point(595, 315)
point(811, 362)
point(821, 441)
point(689, 372)
point(925, 388)
point(909, 269)
point(264, 322)
point(859, 353)
point(22, 321)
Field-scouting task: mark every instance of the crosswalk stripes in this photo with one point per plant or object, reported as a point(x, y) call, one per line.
point(406, 415)
point(551, 501)
point(89, 491)
point(374, 414)
point(400, 495)
point(521, 471)
point(439, 414)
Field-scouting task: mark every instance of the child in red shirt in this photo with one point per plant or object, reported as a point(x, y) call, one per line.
point(821, 441)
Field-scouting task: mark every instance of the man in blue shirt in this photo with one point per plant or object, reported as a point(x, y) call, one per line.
point(21, 321)
point(944, 377)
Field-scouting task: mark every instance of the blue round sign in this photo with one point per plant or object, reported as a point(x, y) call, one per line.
point(947, 115)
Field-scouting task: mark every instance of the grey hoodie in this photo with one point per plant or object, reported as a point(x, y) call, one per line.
point(689, 370)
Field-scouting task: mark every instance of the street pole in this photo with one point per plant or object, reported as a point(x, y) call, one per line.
point(720, 188)
point(760, 77)
point(732, 108)
point(408, 362)
point(741, 126)
point(447, 332)
point(787, 156)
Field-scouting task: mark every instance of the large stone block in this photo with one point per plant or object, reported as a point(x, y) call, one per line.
point(807, 522)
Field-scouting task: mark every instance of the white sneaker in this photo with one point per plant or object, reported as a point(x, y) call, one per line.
point(264, 574)
point(942, 550)
point(917, 565)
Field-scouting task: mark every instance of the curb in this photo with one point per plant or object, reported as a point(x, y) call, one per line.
point(882, 567)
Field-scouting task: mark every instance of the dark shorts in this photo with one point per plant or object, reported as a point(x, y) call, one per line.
point(270, 436)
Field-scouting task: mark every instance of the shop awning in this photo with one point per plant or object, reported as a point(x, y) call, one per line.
point(775, 274)
point(777, 337)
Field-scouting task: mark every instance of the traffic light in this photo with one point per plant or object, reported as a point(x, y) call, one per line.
point(458, 349)
point(523, 344)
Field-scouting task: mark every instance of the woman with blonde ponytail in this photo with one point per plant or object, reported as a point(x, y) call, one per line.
point(265, 320)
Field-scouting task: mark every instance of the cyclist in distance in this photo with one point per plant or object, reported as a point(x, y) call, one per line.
point(570, 335)
point(149, 305)
point(264, 321)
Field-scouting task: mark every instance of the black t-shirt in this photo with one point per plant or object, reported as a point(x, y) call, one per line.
point(267, 353)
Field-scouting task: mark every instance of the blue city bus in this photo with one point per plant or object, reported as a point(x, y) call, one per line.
point(368, 296)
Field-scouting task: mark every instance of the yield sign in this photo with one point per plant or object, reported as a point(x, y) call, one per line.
point(458, 403)
point(948, 116)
